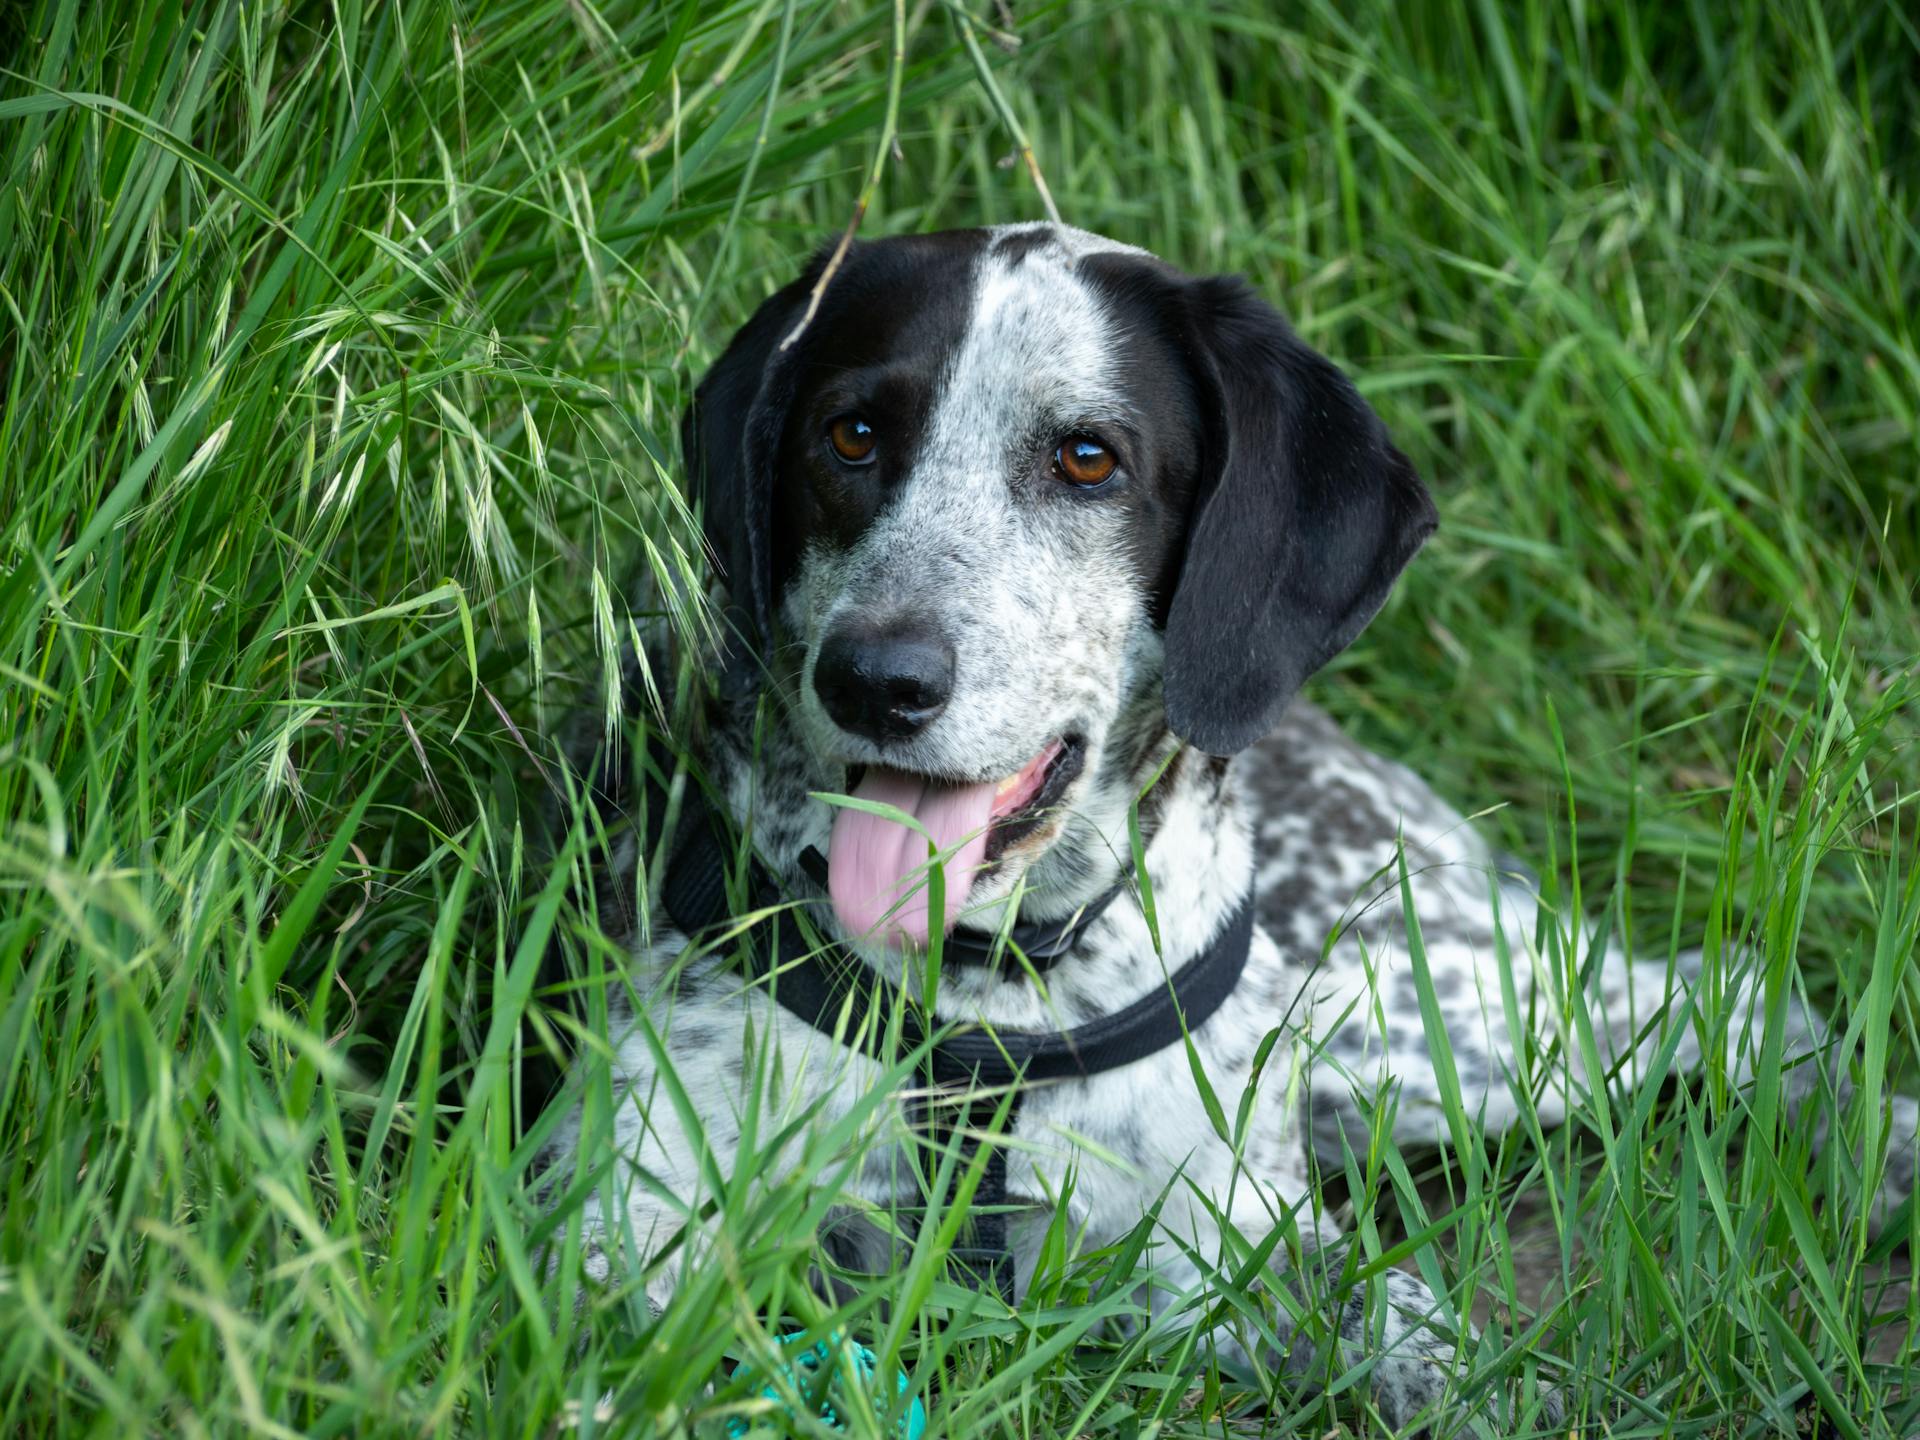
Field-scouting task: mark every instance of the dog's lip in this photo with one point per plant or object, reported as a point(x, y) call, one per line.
point(1056, 768)
point(1023, 798)
point(1017, 791)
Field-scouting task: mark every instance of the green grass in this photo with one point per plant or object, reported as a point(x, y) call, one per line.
point(341, 353)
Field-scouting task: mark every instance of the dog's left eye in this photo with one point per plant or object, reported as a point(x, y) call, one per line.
point(852, 439)
point(1083, 460)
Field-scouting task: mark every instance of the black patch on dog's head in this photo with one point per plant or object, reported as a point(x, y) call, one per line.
point(754, 435)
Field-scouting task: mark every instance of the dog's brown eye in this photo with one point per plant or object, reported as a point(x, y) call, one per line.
point(852, 439)
point(1083, 460)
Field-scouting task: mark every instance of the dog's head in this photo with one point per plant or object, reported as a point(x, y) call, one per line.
point(1025, 499)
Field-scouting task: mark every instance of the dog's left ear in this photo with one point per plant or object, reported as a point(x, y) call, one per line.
point(730, 438)
point(1301, 522)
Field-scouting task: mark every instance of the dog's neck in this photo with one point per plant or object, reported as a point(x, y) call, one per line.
point(1195, 841)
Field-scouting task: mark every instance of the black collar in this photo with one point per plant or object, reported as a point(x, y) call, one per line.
point(828, 988)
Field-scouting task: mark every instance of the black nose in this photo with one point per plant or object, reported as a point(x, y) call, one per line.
point(884, 682)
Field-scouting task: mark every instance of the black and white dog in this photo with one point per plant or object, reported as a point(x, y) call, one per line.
point(1020, 521)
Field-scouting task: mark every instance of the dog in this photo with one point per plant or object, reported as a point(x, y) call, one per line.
point(1028, 536)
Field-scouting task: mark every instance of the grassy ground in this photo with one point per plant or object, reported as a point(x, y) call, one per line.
point(340, 355)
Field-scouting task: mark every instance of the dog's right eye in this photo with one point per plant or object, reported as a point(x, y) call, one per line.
point(1082, 460)
point(852, 439)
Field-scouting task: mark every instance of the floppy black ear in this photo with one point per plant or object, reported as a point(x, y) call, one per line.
point(1306, 515)
point(730, 438)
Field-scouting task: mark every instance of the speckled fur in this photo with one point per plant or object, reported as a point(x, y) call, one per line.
point(1054, 633)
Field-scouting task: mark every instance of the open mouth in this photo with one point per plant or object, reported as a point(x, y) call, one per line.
point(1021, 802)
point(877, 871)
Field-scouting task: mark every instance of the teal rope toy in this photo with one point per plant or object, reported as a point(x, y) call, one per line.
point(815, 1375)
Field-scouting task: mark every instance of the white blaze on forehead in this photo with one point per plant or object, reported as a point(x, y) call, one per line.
point(965, 534)
point(1074, 241)
point(1039, 350)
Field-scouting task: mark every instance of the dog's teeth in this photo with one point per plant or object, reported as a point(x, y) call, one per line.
point(1008, 784)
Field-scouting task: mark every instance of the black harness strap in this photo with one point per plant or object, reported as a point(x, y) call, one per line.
point(982, 1248)
point(968, 1068)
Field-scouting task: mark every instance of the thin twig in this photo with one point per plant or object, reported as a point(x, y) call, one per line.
point(895, 73)
point(964, 23)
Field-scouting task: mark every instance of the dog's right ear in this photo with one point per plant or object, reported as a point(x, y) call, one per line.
point(730, 438)
point(1306, 517)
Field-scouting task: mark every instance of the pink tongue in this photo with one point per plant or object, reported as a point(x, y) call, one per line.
point(875, 865)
